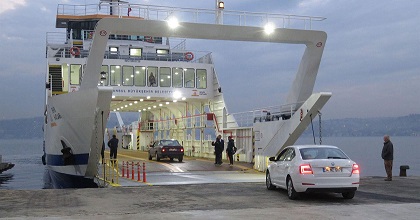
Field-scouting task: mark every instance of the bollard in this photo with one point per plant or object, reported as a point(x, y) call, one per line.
point(403, 169)
point(144, 172)
point(128, 172)
point(138, 171)
point(132, 170)
point(123, 166)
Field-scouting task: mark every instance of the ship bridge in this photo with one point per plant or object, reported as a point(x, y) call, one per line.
point(176, 91)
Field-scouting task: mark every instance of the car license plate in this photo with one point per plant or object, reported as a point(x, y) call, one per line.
point(332, 169)
point(172, 149)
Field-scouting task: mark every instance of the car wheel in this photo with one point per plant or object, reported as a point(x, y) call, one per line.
point(157, 157)
point(180, 158)
point(268, 183)
point(291, 192)
point(171, 159)
point(348, 195)
point(150, 157)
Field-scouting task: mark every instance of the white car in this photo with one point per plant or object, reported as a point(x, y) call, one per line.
point(313, 168)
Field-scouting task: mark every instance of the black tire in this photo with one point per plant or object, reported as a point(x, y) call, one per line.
point(171, 159)
point(268, 183)
point(157, 157)
point(291, 192)
point(150, 157)
point(348, 195)
point(180, 158)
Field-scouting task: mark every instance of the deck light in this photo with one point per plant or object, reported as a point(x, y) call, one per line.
point(177, 95)
point(144, 109)
point(139, 110)
point(167, 103)
point(149, 108)
point(141, 100)
point(160, 104)
point(135, 102)
point(131, 104)
point(221, 5)
point(118, 109)
point(148, 97)
point(183, 98)
point(126, 106)
point(113, 96)
point(269, 28)
point(174, 100)
point(173, 22)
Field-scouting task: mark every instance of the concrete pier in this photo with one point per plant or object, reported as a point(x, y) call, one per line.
point(196, 189)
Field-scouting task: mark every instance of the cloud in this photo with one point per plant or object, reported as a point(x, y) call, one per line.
point(7, 5)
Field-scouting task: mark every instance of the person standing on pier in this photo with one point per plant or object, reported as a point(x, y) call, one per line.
point(388, 156)
point(219, 146)
point(113, 146)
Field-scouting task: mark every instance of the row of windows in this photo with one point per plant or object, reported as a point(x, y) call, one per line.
point(150, 76)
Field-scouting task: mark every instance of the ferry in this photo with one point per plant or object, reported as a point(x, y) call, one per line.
point(115, 57)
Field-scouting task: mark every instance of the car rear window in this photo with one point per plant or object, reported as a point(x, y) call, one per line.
point(169, 142)
point(322, 153)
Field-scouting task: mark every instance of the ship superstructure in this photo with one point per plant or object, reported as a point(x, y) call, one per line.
point(121, 57)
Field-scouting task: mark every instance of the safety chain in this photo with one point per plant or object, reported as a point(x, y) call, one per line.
point(320, 128)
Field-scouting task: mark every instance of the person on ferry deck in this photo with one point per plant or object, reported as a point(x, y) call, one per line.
point(113, 146)
point(219, 146)
point(230, 150)
point(388, 156)
point(152, 79)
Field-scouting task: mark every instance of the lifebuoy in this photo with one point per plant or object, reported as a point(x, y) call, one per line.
point(75, 51)
point(189, 56)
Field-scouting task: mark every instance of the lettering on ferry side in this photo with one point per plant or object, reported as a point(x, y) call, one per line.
point(55, 115)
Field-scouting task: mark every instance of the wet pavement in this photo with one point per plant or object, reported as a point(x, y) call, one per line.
point(200, 191)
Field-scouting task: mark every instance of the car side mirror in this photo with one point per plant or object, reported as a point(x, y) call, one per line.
point(272, 159)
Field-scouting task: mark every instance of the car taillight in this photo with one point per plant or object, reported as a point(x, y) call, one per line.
point(305, 169)
point(163, 149)
point(355, 169)
point(182, 149)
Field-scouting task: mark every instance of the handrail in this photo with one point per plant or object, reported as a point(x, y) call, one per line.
point(246, 119)
point(152, 12)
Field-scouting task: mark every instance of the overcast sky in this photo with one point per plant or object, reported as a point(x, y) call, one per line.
point(371, 61)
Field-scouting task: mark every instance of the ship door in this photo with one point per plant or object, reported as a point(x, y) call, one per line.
point(55, 79)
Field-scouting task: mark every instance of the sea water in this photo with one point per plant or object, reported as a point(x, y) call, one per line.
point(28, 171)
point(366, 151)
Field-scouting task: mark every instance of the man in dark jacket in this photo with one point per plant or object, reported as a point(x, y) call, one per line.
point(388, 156)
point(113, 146)
point(219, 146)
point(231, 149)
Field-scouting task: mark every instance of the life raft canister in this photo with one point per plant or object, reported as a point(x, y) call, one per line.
point(75, 51)
point(189, 56)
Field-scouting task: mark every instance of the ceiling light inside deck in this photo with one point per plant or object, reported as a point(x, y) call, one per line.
point(269, 28)
point(177, 95)
point(173, 22)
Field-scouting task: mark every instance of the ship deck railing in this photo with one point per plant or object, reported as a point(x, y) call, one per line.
point(270, 113)
point(218, 16)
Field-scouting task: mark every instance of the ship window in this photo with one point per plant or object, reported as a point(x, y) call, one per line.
point(140, 76)
point(135, 52)
point(165, 77)
point(128, 75)
point(104, 75)
point(115, 76)
point(189, 78)
point(162, 51)
point(75, 73)
point(152, 75)
point(201, 79)
point(177, 77)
